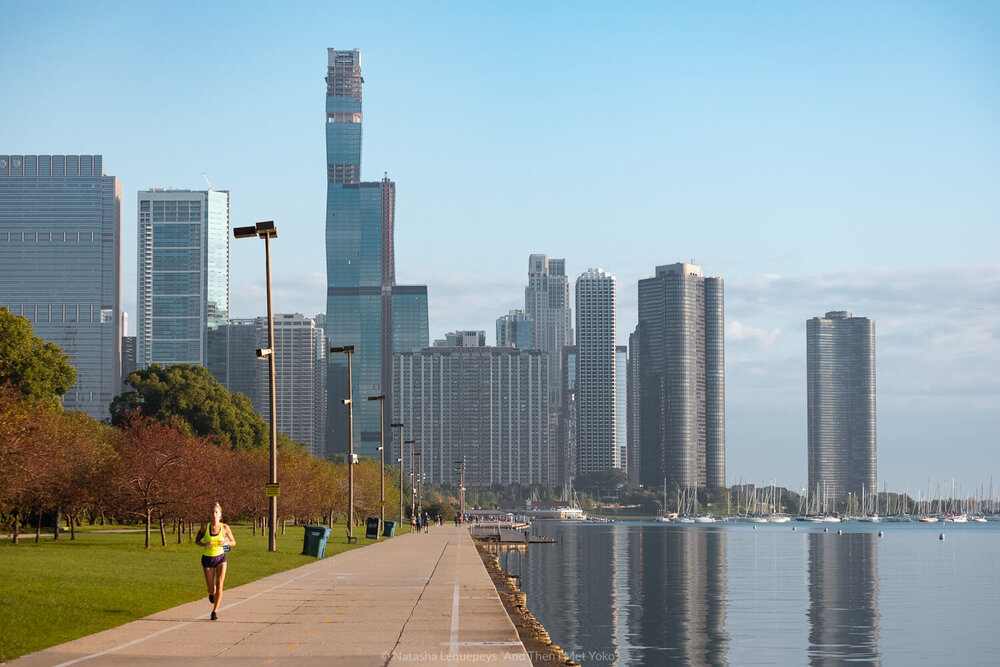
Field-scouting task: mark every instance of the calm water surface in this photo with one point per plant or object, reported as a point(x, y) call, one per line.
point(727, 594)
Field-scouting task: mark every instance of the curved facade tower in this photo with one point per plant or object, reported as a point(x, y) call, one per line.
point(840, 377)
point(681, 378)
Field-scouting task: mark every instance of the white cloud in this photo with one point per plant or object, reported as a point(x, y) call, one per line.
point(737, 332)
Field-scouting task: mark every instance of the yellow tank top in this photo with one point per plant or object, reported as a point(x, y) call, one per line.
point(214, 547)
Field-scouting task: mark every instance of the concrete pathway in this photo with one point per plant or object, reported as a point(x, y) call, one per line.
point(414, 599)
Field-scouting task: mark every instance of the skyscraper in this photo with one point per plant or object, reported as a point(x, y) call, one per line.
point(546, 302)
point(183, 279)
point(840, 378)
point(596, 378)
point(300, 374)
point(621, 405)
point(486, 405)
point(365, 307)
point(60, 265)
point(681, 377)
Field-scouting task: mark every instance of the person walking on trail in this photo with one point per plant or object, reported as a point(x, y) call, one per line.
point(413, 524)
point(216, 538)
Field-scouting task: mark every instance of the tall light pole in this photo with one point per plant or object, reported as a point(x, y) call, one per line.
point(381, 452)
point(349, 402)
point(420, 481)
point(266, 230)
point(413, 479)
point(399, 425)
point(461, 487)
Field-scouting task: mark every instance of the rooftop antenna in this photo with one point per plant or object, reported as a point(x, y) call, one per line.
point(205, 176)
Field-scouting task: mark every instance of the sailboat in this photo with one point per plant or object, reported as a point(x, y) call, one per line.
point(663, 516)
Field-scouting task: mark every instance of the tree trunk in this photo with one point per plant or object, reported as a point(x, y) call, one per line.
point(72, 528)
point(38, 527)
point(254, 526)
point(283, 522)
point(163, 533)
point(149, 521)
point(180, 530)
point(55, 532)
point(16, 526)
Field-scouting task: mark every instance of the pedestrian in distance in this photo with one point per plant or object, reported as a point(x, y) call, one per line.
point(216, 539)
point(413, 524)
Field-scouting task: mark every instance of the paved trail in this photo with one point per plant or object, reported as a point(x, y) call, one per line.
point(413, 599)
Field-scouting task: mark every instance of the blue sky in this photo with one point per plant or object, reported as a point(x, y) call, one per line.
point(817, 156)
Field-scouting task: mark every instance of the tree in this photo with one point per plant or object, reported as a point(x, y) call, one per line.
point(190, 393)
point(154, 459)
point(25, 449)
point(32, 367)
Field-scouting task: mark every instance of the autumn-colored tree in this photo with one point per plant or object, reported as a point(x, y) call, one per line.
point(246, 473)
point(25, 448)
point(153, 458)
point(77, 467)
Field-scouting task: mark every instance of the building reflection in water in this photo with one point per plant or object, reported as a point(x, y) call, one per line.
point(843, 598)
point(642, 596)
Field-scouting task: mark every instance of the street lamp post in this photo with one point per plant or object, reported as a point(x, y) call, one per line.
point(349, 402)
point(399, 425)
point(267, 231)
point(420, 481)
point(413, 479)
point(381, 451)
point(461, 488)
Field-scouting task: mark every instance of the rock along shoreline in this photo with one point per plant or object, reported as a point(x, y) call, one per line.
point(532, 634)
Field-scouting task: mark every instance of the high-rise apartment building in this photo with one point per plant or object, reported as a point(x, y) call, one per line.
point(300, 374)
point(546, 302)
point(681, 359)
point(486, 405)
point(248, 374)
point(840, 378)
point(365, 306)
point(60, 265)
point(632, 411)
point(596, 378)
point(621, 405)
point(514, 330)
point(183, 279)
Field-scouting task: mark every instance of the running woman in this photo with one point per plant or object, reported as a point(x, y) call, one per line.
point(214, 537)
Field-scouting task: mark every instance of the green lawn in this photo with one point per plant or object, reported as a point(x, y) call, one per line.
point(53, 592)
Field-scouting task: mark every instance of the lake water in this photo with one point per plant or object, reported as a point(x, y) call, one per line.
point(730, 594)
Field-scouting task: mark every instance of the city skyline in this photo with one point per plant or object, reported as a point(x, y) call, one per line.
point(820, 158)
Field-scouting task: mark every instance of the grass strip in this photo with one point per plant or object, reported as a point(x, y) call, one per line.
point(56, 591)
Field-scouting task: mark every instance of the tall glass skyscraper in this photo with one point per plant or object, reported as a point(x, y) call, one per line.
point(60, 265)
point(365, 307)
point(596, 380)
point(681, 378)
point(183, 279)
point(840, 378)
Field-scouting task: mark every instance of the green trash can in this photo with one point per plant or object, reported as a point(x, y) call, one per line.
point(371, 528)
point(389, 529)
point(314, 541)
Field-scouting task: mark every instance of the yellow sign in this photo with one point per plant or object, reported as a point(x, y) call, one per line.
point(271, 490)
